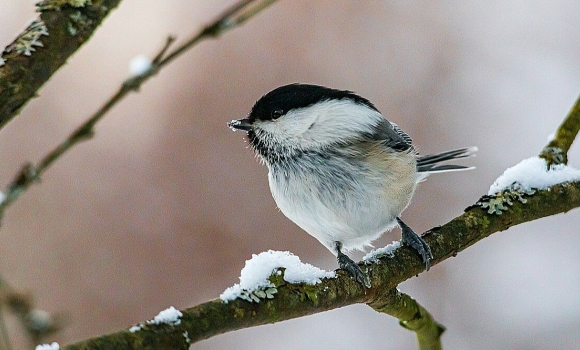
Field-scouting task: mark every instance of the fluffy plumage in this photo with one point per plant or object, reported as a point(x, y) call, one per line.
point(337, 167)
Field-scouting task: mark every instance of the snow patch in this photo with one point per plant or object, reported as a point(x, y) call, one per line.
point(53, 346)
point(255, 274)
point(170, 316)
point(374, 255)
point(534, 173)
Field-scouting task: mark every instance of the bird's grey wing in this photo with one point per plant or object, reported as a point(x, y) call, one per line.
point(392, 136)
point(401, 133)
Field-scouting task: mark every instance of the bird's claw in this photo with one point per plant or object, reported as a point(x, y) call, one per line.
point(346, 263)
point(413, 240)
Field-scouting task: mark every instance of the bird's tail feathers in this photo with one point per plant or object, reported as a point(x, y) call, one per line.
point(431, 163)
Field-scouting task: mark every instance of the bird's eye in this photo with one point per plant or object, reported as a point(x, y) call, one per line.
point(277, 114)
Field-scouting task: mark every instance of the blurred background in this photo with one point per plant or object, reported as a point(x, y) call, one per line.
point(165, 204)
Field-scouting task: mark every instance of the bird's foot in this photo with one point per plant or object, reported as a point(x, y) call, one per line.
point(413, 240)
point(346, 263)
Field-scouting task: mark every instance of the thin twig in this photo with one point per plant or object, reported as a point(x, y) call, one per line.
point(161, 54)
point(556, 151)
point(252, 11)
point(4, 338)
point(231, 18)
point(412, 316)
point(38, 324)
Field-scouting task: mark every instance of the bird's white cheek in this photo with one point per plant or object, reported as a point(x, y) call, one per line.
point(290, 129)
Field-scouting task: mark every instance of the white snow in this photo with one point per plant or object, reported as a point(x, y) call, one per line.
point(53, 346)
point(254, 275)
point(534, 173)
point(374, 255)
point(170, 316)
point(139, 65)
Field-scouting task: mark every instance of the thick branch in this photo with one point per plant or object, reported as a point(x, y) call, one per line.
point(291, 301)
point(38, 52)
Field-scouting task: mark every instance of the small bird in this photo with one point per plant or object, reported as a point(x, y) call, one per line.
point(338, 168)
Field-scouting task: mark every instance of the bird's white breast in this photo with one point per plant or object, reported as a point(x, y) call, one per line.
point(344, 198)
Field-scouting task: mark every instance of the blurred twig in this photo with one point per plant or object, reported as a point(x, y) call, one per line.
point(38, 324)
point(231, 18)
point(4, 338)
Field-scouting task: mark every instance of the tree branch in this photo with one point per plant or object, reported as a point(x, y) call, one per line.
point(295, 300)
point(43, 47)
point(556, 151)
point(29, 174)
point(412, 316)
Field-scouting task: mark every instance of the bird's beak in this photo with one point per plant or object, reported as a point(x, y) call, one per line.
point(240, 124)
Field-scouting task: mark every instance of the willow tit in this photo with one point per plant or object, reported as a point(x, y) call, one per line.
point(338, 168)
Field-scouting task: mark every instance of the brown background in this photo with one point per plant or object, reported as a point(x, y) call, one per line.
point(165, 204)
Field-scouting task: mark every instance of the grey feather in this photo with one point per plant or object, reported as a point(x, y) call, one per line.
point(432, 163)
point(392, 136)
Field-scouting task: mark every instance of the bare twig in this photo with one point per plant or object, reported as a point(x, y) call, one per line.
point(38, 324)
point(556, 151)
point(412, 316)
point(231, 18)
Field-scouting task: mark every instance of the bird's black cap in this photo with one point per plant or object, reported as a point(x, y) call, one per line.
point(292, 96)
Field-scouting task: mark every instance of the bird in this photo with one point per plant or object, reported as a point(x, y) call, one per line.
point(339, 169)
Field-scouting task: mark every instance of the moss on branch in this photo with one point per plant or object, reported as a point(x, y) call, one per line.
point(43, 47)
